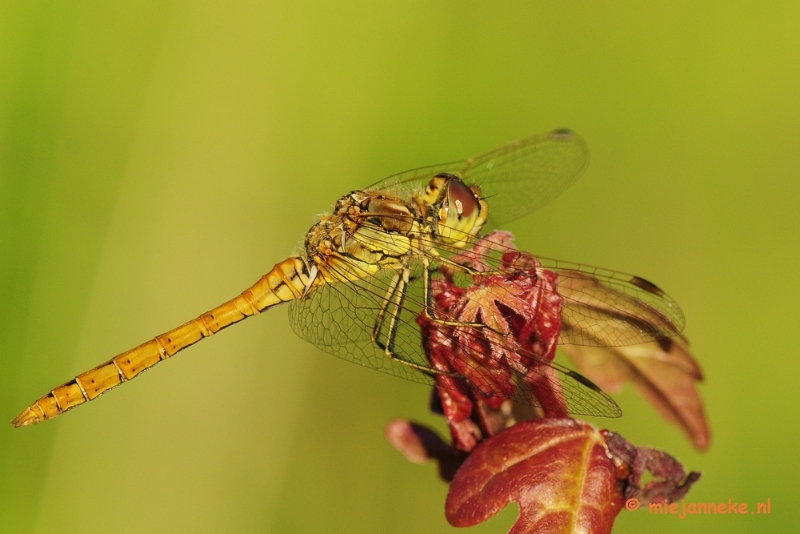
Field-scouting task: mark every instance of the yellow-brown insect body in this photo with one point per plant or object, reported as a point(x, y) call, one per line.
point(457, 210)
point(366, 233)
point(284, 282)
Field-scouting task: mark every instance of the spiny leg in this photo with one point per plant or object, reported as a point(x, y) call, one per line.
point(376, 330)
point(395, 297)
point(429, 313)
point(400, 296)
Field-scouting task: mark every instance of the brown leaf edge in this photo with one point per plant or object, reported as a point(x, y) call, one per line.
point(665, 373)
point(670, 482)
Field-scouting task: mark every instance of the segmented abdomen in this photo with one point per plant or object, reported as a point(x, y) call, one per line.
point(286, 281)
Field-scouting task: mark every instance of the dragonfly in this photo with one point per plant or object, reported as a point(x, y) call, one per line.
point(365, 271)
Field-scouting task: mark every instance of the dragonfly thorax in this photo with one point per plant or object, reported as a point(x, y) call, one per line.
point(457, 210)
point(365, 234)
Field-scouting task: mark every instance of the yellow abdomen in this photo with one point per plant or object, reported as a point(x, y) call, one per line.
point(286, 281)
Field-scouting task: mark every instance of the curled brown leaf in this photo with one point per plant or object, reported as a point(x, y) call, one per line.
point(670, 481)
point(420, 444)
point(665, 373)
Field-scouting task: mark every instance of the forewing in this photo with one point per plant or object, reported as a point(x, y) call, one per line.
point(515, 180)
point(523, 176)
point(340, 319)
point(607, 308)
point(602, 307)
point(402, 183)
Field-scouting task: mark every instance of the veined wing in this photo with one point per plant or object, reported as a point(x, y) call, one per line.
point(516, 179)
point(601, 307)
point(402, 183)
point(606, 308)
point(340, 319)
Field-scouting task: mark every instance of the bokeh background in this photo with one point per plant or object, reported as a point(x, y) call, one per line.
point(158, 157)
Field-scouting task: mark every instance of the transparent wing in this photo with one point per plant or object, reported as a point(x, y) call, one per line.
point(516, 179)
point(606, 308)
point(402, 183)
point(521, 177)
point(340, 319)
point(601, 307)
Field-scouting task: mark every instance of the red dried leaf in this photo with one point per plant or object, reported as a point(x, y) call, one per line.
point(468, 428)
point(521, 310)
point(558, 471)
point(493, 340)
point(665, 373)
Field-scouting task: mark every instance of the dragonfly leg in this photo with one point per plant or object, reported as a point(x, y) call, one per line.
point(394, 298)
point(429, 310)
point(387, 299)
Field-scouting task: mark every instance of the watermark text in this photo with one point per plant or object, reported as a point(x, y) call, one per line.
point(683, 508)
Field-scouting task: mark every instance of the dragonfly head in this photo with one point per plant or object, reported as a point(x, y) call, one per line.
point(458, 209)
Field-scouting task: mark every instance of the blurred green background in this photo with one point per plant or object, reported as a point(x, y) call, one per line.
point(156, 158)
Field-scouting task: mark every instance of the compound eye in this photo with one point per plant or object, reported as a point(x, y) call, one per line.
point(461, 200)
